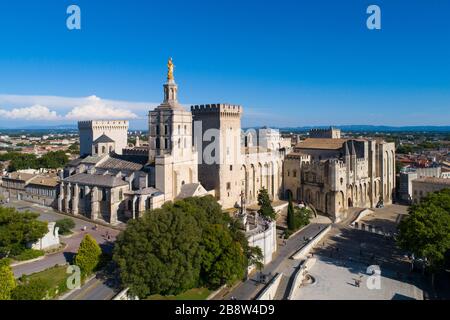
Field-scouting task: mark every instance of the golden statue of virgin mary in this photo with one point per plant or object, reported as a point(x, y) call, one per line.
point(170, 67)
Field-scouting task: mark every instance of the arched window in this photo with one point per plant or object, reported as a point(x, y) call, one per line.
point(103, 150)
point(294, 173)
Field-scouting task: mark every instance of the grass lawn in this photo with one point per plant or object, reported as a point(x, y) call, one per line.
point(55, 277)
point(193, 294)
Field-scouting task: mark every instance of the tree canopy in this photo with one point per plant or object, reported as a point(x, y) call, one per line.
point(265, 204)
point(426, 230)
point(21, 161)
point(7, 280)
point(181, 246)
point(88, 255)
point(17, 229)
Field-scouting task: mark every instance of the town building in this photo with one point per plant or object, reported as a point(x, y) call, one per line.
point(423, 186)
point(407, 175)
point(333, 174)
point(36, 188)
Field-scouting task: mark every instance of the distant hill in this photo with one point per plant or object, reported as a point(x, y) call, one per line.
point(369, 128)
point(43, 127)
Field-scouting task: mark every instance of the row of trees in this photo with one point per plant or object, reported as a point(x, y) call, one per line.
point(21, 161)
point(187, 244)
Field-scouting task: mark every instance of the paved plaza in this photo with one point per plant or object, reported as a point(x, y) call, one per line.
point(335, 281)
point(345, 254)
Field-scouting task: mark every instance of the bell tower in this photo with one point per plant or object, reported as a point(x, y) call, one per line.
point(170, 141)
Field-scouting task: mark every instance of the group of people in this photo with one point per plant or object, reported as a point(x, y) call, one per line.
point(95, 228)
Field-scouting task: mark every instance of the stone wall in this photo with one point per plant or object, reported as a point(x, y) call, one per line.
point(299, 276)
point(270, 290)
point(303, 252)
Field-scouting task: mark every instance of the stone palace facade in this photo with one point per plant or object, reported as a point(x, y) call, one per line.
point(204, 151)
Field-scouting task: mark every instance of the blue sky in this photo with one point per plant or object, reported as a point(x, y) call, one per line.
point(289, 63)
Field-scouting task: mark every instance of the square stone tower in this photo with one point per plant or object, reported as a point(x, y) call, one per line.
point(90, 131)
point(217, 136)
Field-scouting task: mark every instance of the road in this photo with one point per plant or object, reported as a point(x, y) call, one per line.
point(248, 289)
point(94, 289)
point(72, 242)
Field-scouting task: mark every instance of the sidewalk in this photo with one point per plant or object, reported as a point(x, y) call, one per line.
point(248, 289)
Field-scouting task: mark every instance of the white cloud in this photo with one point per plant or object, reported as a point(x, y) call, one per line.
point(52, 108)
point(98, 109)
point(35, 112)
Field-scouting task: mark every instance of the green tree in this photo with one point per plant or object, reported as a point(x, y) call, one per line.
point(426, 230)
point(65, 226)
point(53, 160)
point(290, 215)
point(223, 259)
point(179, 247)
point(88, 255)
point(17, 229)
point(34, 289)
point(74, 148)
point(265, 204)
point(7, 280)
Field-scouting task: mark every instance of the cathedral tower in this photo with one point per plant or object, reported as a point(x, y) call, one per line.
point(170, 142)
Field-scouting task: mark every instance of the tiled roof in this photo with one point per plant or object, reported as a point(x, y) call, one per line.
point(96, 180)
point(44, 181)
point(20, 176)
point(191, 190)
point(433, 180)
point(145, 191)
point(103, 139)
point(323, 144)
point(92, 159)
point(124, 162)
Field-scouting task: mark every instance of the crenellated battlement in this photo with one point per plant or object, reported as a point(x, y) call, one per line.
point(224, 108)
point(102, 123)
point(330, 133)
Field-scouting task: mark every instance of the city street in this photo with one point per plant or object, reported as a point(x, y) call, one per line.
point(72, 242)
point(248, 289)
